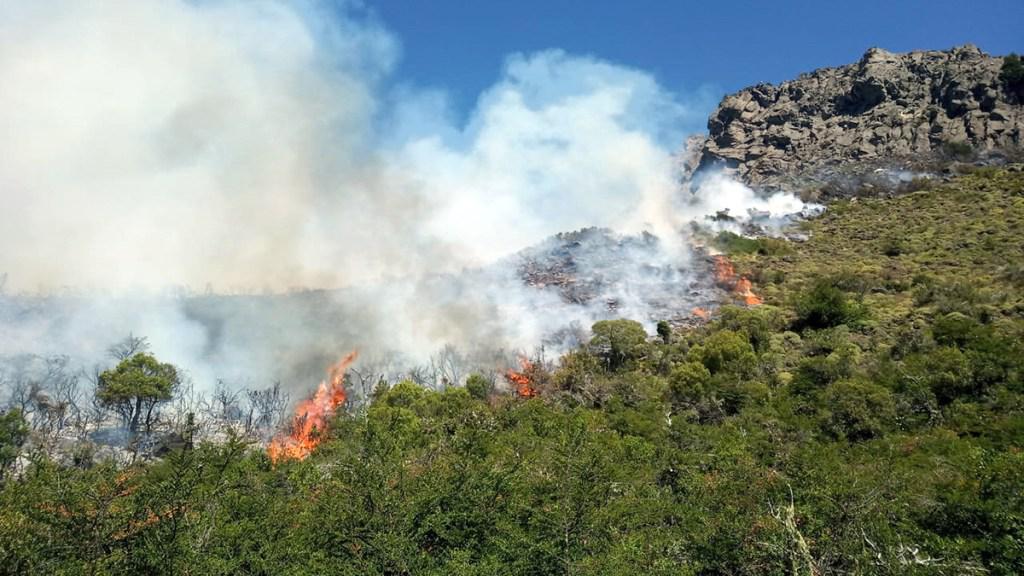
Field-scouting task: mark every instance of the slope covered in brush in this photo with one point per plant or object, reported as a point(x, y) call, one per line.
point(868, 419)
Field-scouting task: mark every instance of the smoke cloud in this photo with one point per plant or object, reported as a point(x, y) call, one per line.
point(161, 154)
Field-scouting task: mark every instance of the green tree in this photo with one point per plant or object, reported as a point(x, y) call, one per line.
point(665, 332)
point(688, 382)
point(617, 341)
point(135, 387)
point(725, 350)
point(13, 434)
point(1012, 75)
point(858, 410)
point(824, 306)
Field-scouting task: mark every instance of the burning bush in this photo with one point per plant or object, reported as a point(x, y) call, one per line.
point(311, 416)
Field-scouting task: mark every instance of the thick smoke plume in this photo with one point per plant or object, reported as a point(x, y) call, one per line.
point(245, 183)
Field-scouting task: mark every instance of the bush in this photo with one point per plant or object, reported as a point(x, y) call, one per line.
point(725, 350)
point(478, 386)
point(825, 306)
point(958, 150)
point(735, 244)
point(946, 371)
point(954, 329)
point(1012, 75)
point(13, 433)
point(688, 382)
point(858, 410)
point(665, 332)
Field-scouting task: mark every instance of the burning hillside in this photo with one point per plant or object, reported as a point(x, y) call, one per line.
point(616, 275)
point(633, 276)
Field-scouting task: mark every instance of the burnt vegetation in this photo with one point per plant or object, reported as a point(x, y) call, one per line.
point(868, 418)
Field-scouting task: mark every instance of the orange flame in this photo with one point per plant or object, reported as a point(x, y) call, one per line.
point(725, 276)
point(311, 415)
point(744, 289)
point(700, 313)
point(522, 379)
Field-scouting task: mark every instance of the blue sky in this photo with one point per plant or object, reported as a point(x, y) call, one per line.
point(460, 45)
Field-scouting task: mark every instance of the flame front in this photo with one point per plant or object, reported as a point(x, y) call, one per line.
point(522, 379)
point(725, 276)
point(311, 415)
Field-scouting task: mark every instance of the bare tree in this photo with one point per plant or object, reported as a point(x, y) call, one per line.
point(421, 375)
point(446, 367)
point(369, 377)
point(128, 347)
point(185, 406)
point(224, 402)
point(61, 402)
point(266, 409)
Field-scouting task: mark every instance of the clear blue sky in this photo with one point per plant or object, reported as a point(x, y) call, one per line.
point(459, 45)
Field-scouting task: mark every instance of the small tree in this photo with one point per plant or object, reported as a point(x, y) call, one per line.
point(858, 410)
point(1012, 75)
point(665, 331)
point(824, 305)
point(617, 341)
point(135, 387)
point(13, 433)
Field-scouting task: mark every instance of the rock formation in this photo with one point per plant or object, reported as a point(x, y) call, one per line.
point(884, 109)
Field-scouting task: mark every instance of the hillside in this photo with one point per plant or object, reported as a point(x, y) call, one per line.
point(868, 419)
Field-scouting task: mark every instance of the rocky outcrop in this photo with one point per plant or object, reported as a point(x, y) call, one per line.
point(886, 108)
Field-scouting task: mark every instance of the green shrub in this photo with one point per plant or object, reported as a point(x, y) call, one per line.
point(478, 386)
point(731, 243)
point(688, 382)
point(13, 433)
point(858, 410)
point(958, 150)
point(725, 350)
point(736, 244)
point(1012, 75)
point(824, 305)
point(954, 329)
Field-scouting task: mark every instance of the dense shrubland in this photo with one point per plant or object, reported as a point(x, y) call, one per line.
point(868, 419)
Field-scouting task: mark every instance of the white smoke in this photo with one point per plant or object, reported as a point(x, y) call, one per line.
point(260, 146)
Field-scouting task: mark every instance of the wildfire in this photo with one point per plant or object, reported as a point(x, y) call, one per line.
point(700, 313)
point(311, 415)
point(725, 276)
point(522, 379)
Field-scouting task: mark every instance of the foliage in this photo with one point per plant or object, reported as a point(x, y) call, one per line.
point(478, 386)
point(1012, 75)
point(824, 305)
point(135, 386)
point(617, 341)
point(735, 244)
point(13, 434)
point(858, 410)
point(958, 150)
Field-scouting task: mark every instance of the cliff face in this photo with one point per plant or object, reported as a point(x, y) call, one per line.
point(884, 108)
